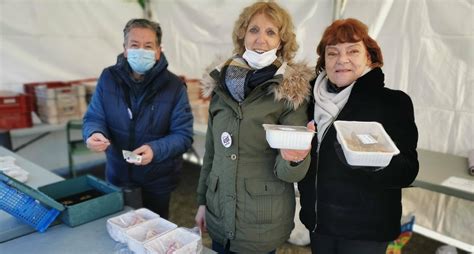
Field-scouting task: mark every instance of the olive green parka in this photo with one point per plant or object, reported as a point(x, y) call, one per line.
point(247, 187)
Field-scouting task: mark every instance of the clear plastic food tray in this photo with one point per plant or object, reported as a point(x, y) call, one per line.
point(365, 143)
point(177, 241)
point(117, 226)
point(137, 236)
point(288, 136)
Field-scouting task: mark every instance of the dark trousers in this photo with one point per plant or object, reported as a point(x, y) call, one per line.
point(225, 250)
point(324, 244)
point(158, 203)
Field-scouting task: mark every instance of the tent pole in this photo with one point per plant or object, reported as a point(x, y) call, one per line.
point(147, 10)
point(338, 7)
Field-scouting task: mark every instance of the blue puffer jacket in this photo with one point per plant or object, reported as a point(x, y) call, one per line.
point(154, 111)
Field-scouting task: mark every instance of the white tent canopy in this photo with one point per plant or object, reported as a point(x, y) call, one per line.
point(428, 47)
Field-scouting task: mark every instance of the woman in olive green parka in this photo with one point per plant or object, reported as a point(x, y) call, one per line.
point(245, 193)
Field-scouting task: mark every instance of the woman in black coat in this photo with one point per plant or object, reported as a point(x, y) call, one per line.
point(355, 209)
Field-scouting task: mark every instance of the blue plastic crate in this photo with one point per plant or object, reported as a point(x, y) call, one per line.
point(24, 207)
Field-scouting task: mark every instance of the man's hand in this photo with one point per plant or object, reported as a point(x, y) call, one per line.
point(146, 152)
point(97, 142)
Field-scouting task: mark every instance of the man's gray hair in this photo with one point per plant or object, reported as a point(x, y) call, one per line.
point(142, 23)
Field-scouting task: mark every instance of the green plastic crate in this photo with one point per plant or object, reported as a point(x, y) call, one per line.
point(76, 214)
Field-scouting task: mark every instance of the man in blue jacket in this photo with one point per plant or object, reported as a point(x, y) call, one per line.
point(142, 107)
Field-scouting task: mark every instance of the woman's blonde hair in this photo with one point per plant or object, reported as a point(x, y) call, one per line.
point(276, 14)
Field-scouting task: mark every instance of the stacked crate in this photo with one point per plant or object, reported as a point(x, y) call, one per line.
point(60, 104)
point(199, 105)
point(30, 88)
point(89, 84)
point(15, 110)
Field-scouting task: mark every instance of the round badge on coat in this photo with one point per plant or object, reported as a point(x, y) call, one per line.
point(226, 139)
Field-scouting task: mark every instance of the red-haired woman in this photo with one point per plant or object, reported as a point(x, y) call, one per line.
point(355, 209)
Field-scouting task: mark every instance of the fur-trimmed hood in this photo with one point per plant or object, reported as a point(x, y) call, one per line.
point(294, 88)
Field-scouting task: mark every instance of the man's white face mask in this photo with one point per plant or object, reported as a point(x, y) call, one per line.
point(259, 61)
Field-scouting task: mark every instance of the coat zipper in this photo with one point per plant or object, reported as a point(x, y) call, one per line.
point(317, 169)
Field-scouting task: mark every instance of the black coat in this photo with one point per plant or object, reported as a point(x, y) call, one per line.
point(360, 203)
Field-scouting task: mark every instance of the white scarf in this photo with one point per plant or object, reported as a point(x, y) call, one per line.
point(327, 105)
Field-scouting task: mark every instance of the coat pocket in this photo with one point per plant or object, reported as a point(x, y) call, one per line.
point(267, 201)
point(212, 195)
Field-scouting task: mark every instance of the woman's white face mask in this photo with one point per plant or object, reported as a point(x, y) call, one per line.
point(261, 40)
point(260, 60)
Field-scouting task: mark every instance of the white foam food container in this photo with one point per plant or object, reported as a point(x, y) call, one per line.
point(139, 235)
point(365, 143)
point(16, 172)
point(288, 136)
point(116, 226)
point(177, 241)
point(9, 167)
